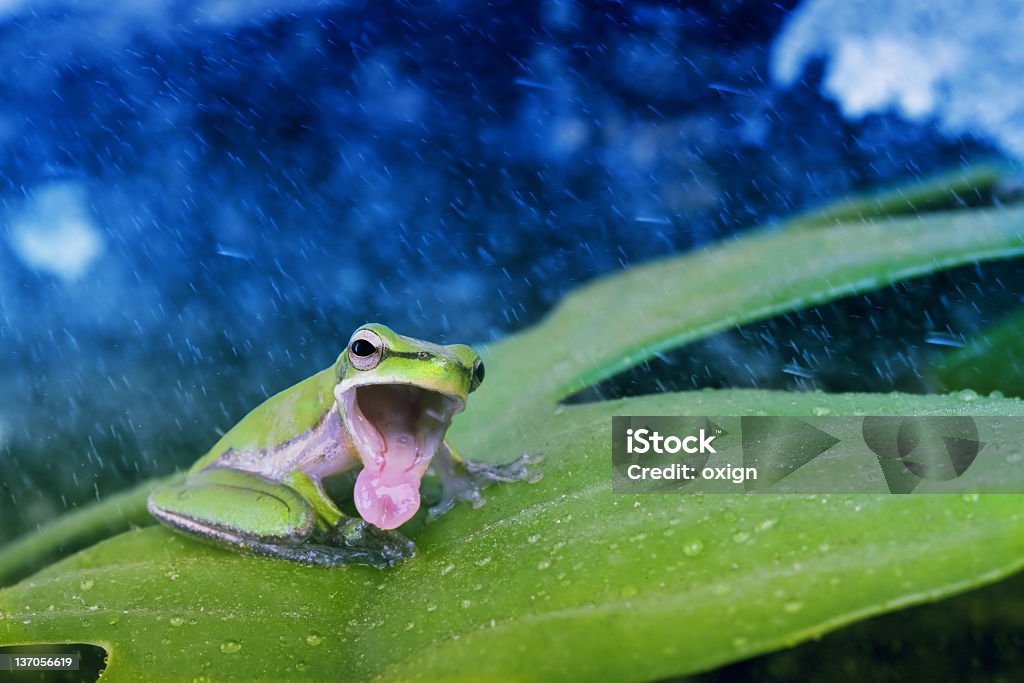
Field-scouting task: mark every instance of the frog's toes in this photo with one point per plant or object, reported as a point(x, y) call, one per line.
point(394, 550)
point(527, 459)
point(483, 474)
point(445, 504)
point(463, 488)
point(375, 546)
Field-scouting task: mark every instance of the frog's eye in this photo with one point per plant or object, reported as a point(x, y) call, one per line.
point(365, 350)
point(478, 375)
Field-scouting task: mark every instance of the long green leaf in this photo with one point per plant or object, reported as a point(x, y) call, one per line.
point(622, 320)
point(76, 530)
point(978, 185)
point(560, 579)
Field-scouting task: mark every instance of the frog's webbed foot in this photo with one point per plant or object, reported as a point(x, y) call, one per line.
point(465, 479)
point(329, 554)
point(354, 540)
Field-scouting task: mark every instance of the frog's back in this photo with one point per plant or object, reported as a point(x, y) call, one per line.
point(281, 417)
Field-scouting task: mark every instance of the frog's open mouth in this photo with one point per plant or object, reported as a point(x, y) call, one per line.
point(397, 429)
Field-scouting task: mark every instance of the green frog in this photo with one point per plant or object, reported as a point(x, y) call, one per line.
point(384, 405)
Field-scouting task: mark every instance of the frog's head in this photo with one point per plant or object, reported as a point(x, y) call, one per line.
point(397, 396)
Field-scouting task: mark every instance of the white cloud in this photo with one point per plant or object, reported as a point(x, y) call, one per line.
point(878, 73)
point(55, 233)
point(954, 61)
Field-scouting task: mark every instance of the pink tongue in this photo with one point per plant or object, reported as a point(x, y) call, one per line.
point(387, 499)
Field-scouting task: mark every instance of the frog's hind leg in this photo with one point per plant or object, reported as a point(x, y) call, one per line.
point(234, 507)
point(247, 511)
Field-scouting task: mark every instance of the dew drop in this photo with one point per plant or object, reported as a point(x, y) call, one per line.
point(968, 395)
point(820, 411)
point(176, 621)
point(314, 639)
point(741, 537)
point(86, 584)
point(230, 647)
point(693, 548)
point(793, 607)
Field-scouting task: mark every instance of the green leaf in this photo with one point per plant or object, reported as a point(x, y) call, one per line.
point(622, 320)
point(564, 578)
point(558, 577)
point(76, 530)
point(991, 361)
point(978, 185)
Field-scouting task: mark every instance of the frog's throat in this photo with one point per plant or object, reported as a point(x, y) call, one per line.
point(396, 429)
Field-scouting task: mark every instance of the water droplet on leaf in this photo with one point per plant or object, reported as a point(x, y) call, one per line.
point(229, 647)
point(693, 548)
point(968, 395)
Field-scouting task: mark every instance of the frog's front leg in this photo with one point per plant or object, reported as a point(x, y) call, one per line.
point(293, 520)
point(464, 479)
